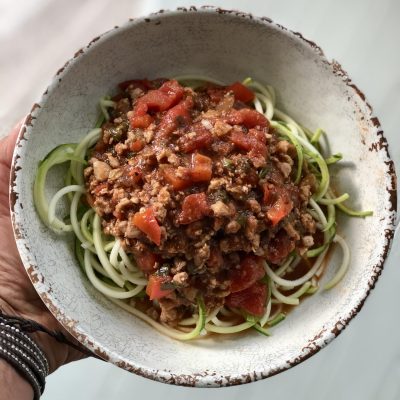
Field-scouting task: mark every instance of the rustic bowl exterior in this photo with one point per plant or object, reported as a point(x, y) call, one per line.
point(228, 46)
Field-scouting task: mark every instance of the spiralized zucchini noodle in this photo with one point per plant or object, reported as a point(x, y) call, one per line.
point(115, 274)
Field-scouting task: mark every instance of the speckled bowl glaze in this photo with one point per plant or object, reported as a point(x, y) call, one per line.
point(226, 45)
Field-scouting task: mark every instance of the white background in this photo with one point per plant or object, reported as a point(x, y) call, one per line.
point(38, 36)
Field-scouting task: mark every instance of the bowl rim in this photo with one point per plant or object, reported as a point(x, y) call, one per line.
point(203, 379)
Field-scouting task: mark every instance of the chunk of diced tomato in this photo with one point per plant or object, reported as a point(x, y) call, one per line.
point(176, 116)
point(146, 261)
point(136, 145)
point(241, 140)
point(154, 288)
point(147, 223)
point(202, 138)
point(168, 95)
point(241, 92)
point(282, 205)
point(139, 121)
point(259, 150)
point(251, 270)
point(257, 135)
point(194, 208)
point(140, 108)
point(201, 168)
point(252, 118)
point(173, 89)
point(279, 210)
point(251, 300)
point(178, 182)
point(248, 117)
point(253, 142)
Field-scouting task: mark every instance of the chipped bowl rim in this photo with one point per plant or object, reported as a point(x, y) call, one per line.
point(203, 379)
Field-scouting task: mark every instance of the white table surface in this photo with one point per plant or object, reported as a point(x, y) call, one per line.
point(38, 36)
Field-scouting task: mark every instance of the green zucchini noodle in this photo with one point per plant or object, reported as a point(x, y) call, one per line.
point(114, 273)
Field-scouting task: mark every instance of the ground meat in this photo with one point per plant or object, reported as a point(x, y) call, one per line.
point(102, 206)
point(291, 231)
point(169, 310)
point(120, 148)
point(115, 174)
point(192, 183)
point(190, 293)
point(254, 205)
point(131, 232)
point(153, 313)
point(101, 170)
point(232, 227)
point(285, 168)
point(181, 279)
point(120, 228)
point(307, 187)
point(164, 196)
point(87, 172)
point(283, 146)
point(308, 241)
point(234, 243)
point(251, 227)
point(308, 222)
point(221, 128)
point(218, 183)
point(113, 161)
point(221, 210)
point(202, 254)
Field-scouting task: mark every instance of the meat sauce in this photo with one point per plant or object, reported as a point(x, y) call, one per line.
point(200, 190)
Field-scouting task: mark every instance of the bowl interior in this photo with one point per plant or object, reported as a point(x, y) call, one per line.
point(228, 47)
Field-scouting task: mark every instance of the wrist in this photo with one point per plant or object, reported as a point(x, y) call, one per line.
point(44, 341)
point(13, 385)
point(58, 346)
point(19, 351)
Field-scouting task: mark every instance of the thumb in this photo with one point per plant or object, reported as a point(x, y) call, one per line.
point(7, 145)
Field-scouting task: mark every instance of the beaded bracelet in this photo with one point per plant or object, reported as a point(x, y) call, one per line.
point(19, 350)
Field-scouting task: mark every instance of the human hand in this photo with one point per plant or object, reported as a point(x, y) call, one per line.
point(17, 295)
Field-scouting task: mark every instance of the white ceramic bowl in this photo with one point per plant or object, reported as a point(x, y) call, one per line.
point(228, 46)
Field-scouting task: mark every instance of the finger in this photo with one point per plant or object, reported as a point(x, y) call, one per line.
point(7, 145)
